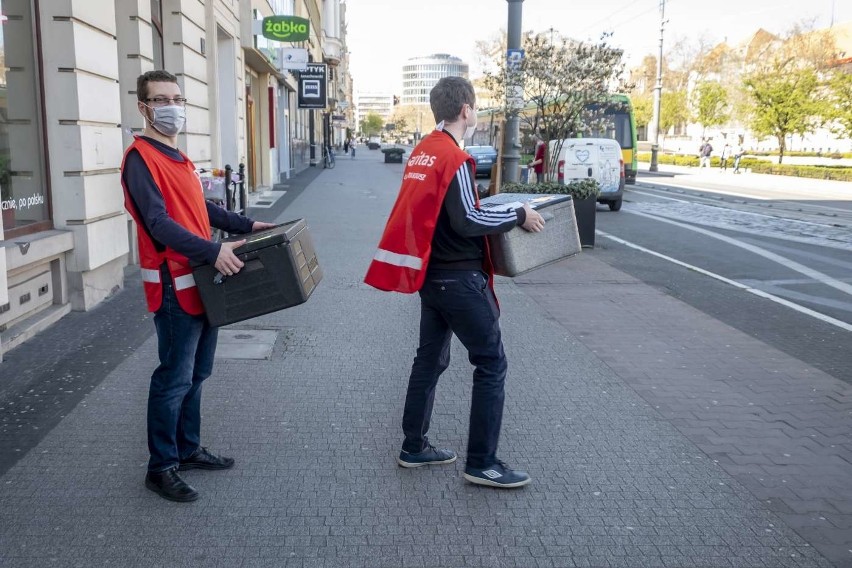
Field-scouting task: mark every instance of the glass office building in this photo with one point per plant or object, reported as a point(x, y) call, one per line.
point(420, 74)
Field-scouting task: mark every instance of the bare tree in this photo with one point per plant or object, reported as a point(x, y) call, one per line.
point(561, 87)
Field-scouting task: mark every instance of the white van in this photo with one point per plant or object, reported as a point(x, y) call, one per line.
point(596, 158)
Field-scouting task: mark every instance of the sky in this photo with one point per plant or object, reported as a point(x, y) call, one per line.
point(383, 34)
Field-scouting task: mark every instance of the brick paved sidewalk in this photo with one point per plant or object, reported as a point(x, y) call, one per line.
point(315, 429)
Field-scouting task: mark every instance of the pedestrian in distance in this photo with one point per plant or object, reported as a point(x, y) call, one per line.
point(738, 155)
point(434, 244)
point(537, 163)
point(352, 148)
point(704, 153)
point(726, 153)
point(346, 146)
point(163, 194)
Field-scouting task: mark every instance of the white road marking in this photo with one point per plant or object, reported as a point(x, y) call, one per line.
point(783, 261)
point(681, 185)
point(734, 283)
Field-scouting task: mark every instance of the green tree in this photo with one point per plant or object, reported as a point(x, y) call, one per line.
point(371, 124)
point(711, 105)
point(673, 110)
point(784, 102)
point(643, 109)
point(839, 107)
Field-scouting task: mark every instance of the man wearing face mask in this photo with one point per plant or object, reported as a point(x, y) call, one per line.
point(163, 195)
point(434, 243)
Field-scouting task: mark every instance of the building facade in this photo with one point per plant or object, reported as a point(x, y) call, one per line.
point(373, 103)
point(66, 236)
point(420, 74)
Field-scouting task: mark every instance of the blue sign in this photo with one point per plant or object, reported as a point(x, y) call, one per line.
point(514, 58)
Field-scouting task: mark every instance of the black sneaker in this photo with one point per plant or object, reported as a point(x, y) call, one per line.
point(497, 475)
point(204, 459)
point(430, 455)
point(169, 485)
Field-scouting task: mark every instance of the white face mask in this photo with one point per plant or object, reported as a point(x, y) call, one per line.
point(168, 120)
point(470, 129)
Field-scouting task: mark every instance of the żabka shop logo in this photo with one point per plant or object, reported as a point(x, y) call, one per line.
point(286, 28)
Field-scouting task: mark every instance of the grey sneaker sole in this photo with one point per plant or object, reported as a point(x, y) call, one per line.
point(488, 483)
point(404, 463)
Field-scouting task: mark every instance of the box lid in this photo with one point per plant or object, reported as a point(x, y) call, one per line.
point(285, 232)
point(515, 200)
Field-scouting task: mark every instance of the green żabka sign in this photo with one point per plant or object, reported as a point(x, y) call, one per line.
point(286, 28)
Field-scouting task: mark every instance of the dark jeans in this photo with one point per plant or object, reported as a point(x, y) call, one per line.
point(460, 302)
point(186, 346)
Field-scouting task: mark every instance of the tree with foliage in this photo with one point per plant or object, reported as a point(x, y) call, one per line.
point(785, 86)
point(673, 110)
point(839, 107)
point(643, 109)
point(371, 124)
point(711, 105)
point(559, 88)
point(784, 102)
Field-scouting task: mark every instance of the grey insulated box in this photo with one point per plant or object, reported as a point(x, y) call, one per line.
point(281, 270)
point(519, 251)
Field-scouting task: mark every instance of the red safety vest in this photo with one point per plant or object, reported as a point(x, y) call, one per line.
point(184, 198)
point(400, 262)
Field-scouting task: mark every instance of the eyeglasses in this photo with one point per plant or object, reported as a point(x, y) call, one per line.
point(163, 101)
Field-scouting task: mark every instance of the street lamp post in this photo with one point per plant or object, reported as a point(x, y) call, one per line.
point(511, 144)
point(658, 88)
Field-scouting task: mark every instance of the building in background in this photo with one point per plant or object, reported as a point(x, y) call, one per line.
point(373, 103)
point(66, 236)
point(420, 74)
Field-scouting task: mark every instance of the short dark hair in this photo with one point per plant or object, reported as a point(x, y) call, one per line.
point(448, 97)
point(157, 76)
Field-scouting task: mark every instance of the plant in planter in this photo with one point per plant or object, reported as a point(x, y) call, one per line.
point(584, 193)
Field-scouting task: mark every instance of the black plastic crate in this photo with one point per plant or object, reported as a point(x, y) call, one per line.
point(281, 271)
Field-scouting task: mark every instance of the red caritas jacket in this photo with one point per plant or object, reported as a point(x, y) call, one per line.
point(184, 198)
point(400, 262)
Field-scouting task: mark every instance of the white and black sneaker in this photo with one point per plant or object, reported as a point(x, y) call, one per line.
point(430, 456)
point(497, 475)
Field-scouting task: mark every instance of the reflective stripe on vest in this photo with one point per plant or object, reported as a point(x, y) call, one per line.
point(149, 275)
point(184, 282)
point(396, 259)
point(181, 282)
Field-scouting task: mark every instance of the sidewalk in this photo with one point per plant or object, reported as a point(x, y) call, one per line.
point(655, 435)
point(778, 187)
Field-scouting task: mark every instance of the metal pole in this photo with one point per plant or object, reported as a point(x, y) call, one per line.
point(658, 88)
point(511, 143)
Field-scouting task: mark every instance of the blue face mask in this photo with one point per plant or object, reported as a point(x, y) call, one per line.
point(168, 120)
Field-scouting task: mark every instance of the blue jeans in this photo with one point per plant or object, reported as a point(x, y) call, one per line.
point(460, 302)
point(186, 345)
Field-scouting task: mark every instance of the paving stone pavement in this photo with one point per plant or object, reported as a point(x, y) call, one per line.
point(315, 430)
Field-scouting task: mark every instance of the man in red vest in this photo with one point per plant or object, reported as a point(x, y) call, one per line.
point(434, 243)
point(163, 195)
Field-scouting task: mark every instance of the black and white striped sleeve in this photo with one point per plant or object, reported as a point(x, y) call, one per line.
point(469, 221)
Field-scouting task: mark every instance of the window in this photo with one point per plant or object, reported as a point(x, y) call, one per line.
point(157, 33)
point(23, 179)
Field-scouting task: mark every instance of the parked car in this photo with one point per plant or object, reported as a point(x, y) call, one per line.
point(485, 157)
point(596, 158)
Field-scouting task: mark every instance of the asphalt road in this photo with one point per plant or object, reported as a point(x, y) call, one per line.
point(777, 269)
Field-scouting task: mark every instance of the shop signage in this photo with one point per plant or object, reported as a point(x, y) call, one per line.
point(292, 58)
point(312, 86)
point(286, 28)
